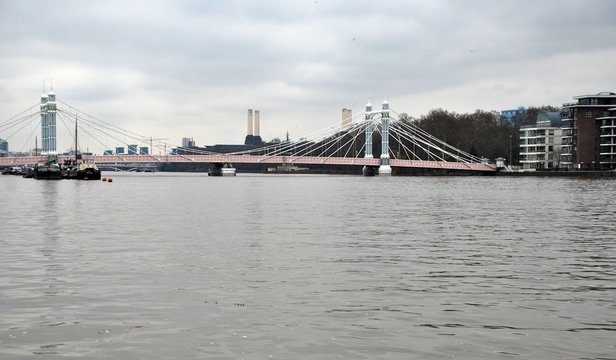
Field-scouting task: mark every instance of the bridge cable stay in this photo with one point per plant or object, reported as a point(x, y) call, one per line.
point(140, 139)
point(24, 146)
point(21, 113)
point(468, 156)
point(322, 141)
point(108, 130)
point(420, 143)
point(303, 148)
point(429, 146)
point(61, 116)
point(109, 125)
point(420, 139)
point(25, 122)
point(315, 136)
point(95, 126)
point(16, 121)
point(400, 145)
point(423, 145)
point(457, 154)
point(325, 144)
point(128, 136)
point(331, 144)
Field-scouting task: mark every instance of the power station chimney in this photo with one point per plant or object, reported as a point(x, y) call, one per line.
point(257, 130)
point(347, 116)
point(254, 130)
point(249, 131)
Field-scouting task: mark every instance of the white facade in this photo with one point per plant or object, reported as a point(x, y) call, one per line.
point(607, 140)
point(540, 146)
point(48, 123)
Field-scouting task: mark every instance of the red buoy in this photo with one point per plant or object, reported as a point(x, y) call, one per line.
point(104, 179)
point(109, 180)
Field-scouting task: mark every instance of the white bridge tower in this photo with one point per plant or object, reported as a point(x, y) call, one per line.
point(384, 168)
point(48, 124)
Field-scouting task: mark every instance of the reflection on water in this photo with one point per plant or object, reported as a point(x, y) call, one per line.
point(163, 266)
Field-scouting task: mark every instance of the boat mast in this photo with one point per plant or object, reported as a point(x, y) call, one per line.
point(75, 137)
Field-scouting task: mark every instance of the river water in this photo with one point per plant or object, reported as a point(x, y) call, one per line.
point(185, 266)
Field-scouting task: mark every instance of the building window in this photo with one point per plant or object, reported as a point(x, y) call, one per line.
point(589, 114)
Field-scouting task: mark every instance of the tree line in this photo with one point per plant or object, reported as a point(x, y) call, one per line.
point(482, 133)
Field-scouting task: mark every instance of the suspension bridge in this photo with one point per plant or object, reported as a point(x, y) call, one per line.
point(375, 139)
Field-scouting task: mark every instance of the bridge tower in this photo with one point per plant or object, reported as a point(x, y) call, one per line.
point(385, 169)
point(369, 170)
point(369, 131)
point(44, 126)
point(48, 124)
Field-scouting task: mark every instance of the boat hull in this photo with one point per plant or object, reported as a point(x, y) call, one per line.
point(85, 172)
point(47, 172)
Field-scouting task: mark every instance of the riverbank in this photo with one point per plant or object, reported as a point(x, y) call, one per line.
point(580, 174)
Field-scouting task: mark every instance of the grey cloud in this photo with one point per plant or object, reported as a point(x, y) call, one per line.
point(298, 56)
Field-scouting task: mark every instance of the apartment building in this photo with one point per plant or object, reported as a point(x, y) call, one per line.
point(540, 143)
point(588, 128)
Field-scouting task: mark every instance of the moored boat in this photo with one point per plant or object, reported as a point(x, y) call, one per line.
point(85, 171)
point(81, 169)
point(49, 170)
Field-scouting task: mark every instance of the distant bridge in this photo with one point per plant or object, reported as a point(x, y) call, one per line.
point(350, 143)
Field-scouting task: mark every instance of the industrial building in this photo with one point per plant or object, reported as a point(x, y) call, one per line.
point(253, 131)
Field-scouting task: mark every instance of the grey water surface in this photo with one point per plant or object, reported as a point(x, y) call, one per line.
point(185, 266)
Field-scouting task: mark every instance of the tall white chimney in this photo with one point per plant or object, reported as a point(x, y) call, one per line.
point(249, 130)
point(257, 124)
point(347, 116)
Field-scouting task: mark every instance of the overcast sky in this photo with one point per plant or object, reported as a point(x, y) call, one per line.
point(192, 68)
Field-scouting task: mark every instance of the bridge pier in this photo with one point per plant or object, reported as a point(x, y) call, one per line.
point(221, 169)
point(369, 170)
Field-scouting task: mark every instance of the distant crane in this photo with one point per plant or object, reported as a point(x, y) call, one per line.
point(157, 139)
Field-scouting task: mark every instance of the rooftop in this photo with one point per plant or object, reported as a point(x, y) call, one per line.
point(603, 94)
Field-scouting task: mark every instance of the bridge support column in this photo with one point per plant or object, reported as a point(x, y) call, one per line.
point(368, 170)
point(369, 131)
point(385, 169)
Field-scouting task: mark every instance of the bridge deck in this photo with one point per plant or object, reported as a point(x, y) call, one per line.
point(254, 159)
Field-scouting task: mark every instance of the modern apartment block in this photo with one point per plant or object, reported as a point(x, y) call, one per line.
point(188, 142)
point(540, 144)
point(4, 148)
point(588, 128)
point(607, 139)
